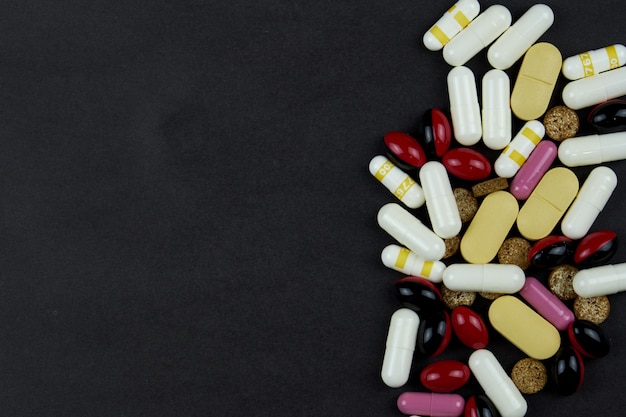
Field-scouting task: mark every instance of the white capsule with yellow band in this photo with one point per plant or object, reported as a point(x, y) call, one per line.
point(594, 62)
point(405, 188)
point(403, 260)
point(515, 153)
point(451, 23)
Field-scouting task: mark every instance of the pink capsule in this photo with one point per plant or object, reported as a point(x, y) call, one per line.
point(431, 404)
point(546, 304)
point(533, 169)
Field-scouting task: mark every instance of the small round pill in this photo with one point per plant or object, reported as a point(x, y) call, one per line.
point(490, 295)
point(561, 123)
point(593, 309)
point(452, 246)
point(453, 299)
point(529, 375)
point(515, 251)
point(560, 282)
point(487, 187)
point(466, 202)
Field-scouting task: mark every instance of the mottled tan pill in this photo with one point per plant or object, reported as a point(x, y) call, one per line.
point(561, 282)
point(453, 299)
point(593, 309)
point(529, 375)
point(561, 123)
point(490, 186)
point(515, 251)
point(466, 203)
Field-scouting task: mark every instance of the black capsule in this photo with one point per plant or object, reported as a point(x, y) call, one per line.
point(418, 294)
point(568, 371)
point(608, 117)
point(596, 249)
point(588, 339)
point(433, 335)
point(480, 406)
point(551, 251)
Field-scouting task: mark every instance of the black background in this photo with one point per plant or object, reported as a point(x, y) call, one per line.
point(188, 221)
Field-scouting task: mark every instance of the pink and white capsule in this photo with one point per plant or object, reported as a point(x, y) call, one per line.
point(403, 260)
point(440, 202)
point(515, 154)
point(496, 109)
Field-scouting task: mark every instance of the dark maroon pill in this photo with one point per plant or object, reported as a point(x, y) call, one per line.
point(596, 248)
point(568, 371)
point(588, 339)
point(551, 251)
point(434, 333)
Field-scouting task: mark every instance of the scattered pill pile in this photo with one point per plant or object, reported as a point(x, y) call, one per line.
point(470, 229)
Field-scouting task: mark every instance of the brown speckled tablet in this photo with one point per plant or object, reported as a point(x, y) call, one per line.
point(515, 251)
point(452, 246)
point(453, 299)
point(560, 282)
point(593, 309)
point(490, 295)
point(466, 202)
point(561, 123)
point(487, 187)
point(529, 375)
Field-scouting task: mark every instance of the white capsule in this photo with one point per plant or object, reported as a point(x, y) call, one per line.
point(513, 43)
point(464, 107)
point(496, 112)
point(594, 62)
point(450, 24)
point(497, 384)
point(440, 202)
point(399, 347)
point(600, 280)
point(593, 149)
point(494, 278)
point(478, 35)
point(397, 181)
point(403, 260)
point(515, 154)
point(591, 199)
point(590, 91)
point(410, 232)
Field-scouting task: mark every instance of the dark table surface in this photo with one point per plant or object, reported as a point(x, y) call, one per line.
point(188, 222)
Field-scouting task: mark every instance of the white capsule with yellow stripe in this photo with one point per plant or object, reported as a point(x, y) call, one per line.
point(515, 153)
point(405, 188)
point(450, 24)
point(403, 260)
point(594, 62)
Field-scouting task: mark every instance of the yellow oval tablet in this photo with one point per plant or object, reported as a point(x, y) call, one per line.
point(547, 203)
point(535, 81)
point(523, 327)
point(489, 227)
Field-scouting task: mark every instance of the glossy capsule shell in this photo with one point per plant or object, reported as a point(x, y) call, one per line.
point(515, 154)
point(608, 117)
point(403, 260)
point(588, 339)
point(516, 40)
point(595, 249)
point(466, 164)
point(445, 376)
point(591, 199)
point(590, 63)
point(529, 175)
point(479, 34)
point(497, 384)
point(418, 294)
point(410, 232)
point(480, 406)
point(495, 278)
point(450, 24)
point(440, 202)
point(599, 280)
point(593, 149)
point(401, 185)
point(551, 251)
point(496, 110)
point(399, 347)
point(464, 107)
point(568, 371)
point(431, 404)
point(524, 328)
point(434, 333)
point(548, 305)
point(469, 327)
point(404, 150)
point(590, 91)
point(437, 132)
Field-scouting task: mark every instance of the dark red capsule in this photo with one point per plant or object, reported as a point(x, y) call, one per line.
point(437, 132)
point(404, 150)
point(568, 371)
point(469, 327)
point(433, 335)
point(480, 406)
point(596, 248)
point(466, 164)
point(551, 251)
point(418, 294)
point(608, 117)
point(445, 376)
point(588, 339)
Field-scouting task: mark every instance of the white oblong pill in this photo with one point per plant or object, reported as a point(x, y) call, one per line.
point(399, 347)
point(494, 278)
point(593, 149)
point(496, 112)
point(403, 260)
point(440, 202)
point(600, 280)
point(450, 24)
point(590, 63)
point(464, 107)
point(516, 153)
point(590, 91)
